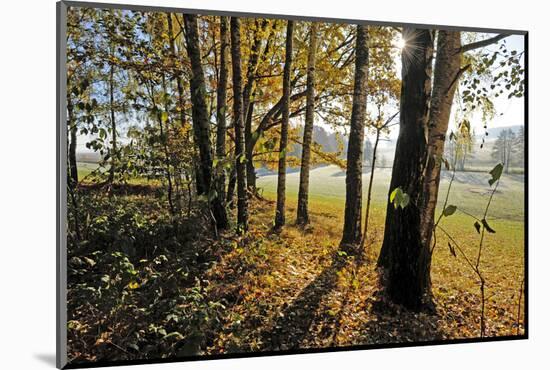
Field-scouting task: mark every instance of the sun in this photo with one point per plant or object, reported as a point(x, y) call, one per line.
point(400, 42)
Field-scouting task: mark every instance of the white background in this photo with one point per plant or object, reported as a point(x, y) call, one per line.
point(27, 182)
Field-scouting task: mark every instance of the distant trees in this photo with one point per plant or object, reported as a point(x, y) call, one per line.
point(506, 147)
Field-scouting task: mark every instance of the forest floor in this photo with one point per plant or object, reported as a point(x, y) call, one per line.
point(279, 291)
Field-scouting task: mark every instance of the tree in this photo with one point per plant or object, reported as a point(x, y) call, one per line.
point(368, 152)
point(281, 178)
point(520, 146)
point(248, 102)
point(504, 148)
point(379, 127)
point(403, 254)
point(221, 104)
point(351, 236)
point(240, 158)
point(199, 112)
point(446, 75)
point(302, 217)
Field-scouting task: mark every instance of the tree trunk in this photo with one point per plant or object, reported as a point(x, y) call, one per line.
point(201, 127)
point(242, 206)
point(231, 184)
point(248, 104)
point(446, 76)
point(302, 217)
point(249, 146)
point(221, 104)
point(351, 237)
point(403, 254)
point(369, 190)
point(165, 135)
point(281, 178)
point(179, 82)
point(73, 168)
point(113, 123)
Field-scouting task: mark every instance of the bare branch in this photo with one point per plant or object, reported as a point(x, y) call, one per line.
point(482, 43)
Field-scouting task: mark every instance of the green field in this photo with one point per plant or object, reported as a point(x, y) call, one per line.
point(470, 190)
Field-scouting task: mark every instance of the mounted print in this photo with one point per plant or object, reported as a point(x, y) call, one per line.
point(236, 184)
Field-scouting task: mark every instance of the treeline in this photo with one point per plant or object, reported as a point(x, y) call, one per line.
point(200, 102)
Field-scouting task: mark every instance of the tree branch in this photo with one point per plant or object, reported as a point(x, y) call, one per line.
point(482, 43)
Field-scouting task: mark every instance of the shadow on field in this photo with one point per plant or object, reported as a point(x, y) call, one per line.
point(391, 323)
point(293, 323)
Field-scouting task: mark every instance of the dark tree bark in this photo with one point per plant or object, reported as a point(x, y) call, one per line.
point(221, 103)
point(302, 217)
point(242, 202)
point(403, 254)
point(281, 178)
point(446, 76)
point(201, 127)
point(351, 236)
point(71, 124)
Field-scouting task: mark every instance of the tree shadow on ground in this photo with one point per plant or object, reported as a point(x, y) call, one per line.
point(292, 325)
point(391, 323)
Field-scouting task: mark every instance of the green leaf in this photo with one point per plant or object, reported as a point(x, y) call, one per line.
point(449, 210)
point(399, 198)
point(487, 227)
point(496, 172)
point(405, 200)
point(394, 194)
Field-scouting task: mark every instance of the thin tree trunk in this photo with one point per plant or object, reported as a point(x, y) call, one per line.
point(221, 104)
point(302, 217)
point(446, 76)
point(281, 178)
point(73, 168)
point(201, 126)
point(403, 254)
point(165, 134)
point(249, 146)
point(351, 236)
point(242, 202)
point(369, 189)
point(113, 124)
point(248, 104)
point(179, 82)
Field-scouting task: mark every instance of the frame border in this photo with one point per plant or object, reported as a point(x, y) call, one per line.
point(61, 191)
